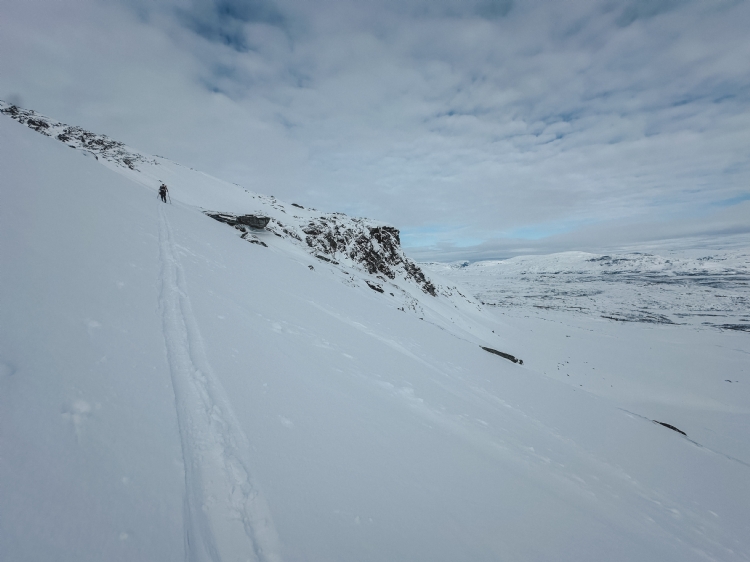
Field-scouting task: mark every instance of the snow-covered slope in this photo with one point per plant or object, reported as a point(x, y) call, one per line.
point(169, 391)
point(365, 245)
point(710, 288)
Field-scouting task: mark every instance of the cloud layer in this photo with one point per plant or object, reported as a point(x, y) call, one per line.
point(481, 128)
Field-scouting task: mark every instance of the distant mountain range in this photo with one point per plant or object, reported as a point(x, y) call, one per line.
point(711, 290)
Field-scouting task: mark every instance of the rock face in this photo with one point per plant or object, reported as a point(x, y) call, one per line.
point(100, 146)
point(376, 248)
point(254, 221)
point(341, 240)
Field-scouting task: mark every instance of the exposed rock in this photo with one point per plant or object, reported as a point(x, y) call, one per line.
point(673, 428)
point(240, 223)
point(649, 318)
point(282, 231)
point(334, 262)
point(76, 137)
point(507, 356)
point(375, 287)
point(341, 240)
point(738, 327)
point(37, 124)
point(376, 248)
point(253, 221)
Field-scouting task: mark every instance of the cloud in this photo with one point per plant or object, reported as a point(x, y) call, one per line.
point(471, 125)
point(488, 9)
point(225, 21)
point(715, 229)
point(640, 9)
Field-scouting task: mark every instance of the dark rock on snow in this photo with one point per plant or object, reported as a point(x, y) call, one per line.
point(673, 428)
point(253, 221)
point(507, 356)
point(375, 287)
point(376, 248)
point(76, 137)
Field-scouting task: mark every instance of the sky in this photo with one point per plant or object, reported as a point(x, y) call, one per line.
point(482, 129)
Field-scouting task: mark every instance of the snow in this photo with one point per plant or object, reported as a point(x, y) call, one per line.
point(699, 287)
point(214, 447)
point(170, 392)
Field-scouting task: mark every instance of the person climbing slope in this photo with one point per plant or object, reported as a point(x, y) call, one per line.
point(163, 192)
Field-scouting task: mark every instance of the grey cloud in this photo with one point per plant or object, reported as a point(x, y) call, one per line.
point(639, 9)
point(224, 21)
point(725, 228)
point(490, 9)
point(221, 21)
point(467, 122)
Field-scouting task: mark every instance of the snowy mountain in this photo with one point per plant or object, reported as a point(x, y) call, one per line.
point(363, 244)
point(174, 387)
point(711, 289)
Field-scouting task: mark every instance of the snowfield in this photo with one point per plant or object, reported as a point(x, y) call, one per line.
point(698, 288)
point(171, 389)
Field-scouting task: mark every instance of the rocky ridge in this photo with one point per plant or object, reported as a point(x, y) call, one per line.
point(76, 137)
point(341, 240)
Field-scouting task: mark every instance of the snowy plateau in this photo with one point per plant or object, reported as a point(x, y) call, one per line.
point(175, 387)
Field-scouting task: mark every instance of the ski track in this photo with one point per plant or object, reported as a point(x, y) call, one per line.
point(226, 518)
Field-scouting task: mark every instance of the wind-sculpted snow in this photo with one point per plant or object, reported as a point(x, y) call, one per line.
point(712, 289)
point(101, 146)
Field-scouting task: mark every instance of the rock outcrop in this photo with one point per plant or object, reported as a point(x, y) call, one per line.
point(377, 248)
point(258, 221)
point(101, 146)
point(507, 356)
point(670, 426)
point(342, 240)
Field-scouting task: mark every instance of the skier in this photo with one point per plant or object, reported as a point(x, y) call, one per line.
point(163, 192)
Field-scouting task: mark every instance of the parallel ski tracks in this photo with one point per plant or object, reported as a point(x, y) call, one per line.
point(225, 516)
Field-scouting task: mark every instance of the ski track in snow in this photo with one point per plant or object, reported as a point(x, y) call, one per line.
point(225, 516)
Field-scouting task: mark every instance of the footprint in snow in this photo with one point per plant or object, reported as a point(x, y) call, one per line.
point(77, 413)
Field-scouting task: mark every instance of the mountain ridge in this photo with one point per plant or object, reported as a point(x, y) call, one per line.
point(370, 246)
